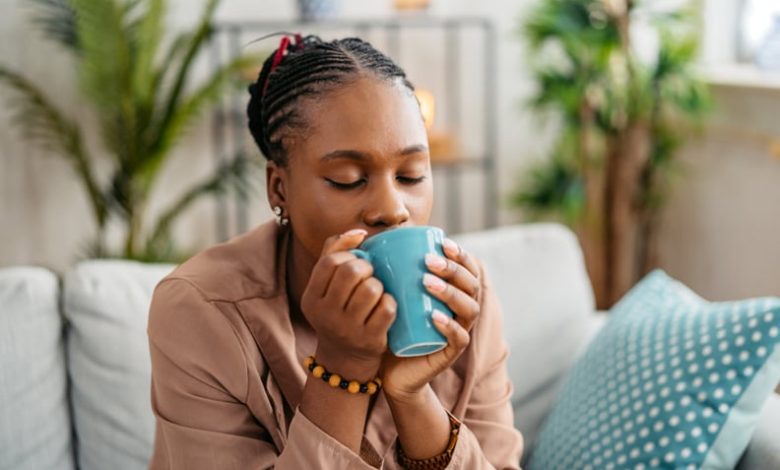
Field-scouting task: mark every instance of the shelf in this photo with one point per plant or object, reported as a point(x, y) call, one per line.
point(737, 75)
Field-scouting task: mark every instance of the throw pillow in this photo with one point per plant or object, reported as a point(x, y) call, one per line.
point(672, 381)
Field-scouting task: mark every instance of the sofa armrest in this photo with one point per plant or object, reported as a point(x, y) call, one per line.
point(763, 452)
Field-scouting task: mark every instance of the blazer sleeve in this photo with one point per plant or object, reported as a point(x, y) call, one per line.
point(488, 438)
point(200, 382)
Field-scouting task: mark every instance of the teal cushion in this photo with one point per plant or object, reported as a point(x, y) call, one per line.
point(672, 381)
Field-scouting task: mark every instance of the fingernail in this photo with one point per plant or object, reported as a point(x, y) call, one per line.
point(435, 261)
point(450, 245)
point(440, 317)
point(353, 232)
point(433, 283)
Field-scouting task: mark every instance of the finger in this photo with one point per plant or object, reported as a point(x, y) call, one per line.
point(323, 272)
point(465, 307)
point(345, 280)
point(343, 242)
point(382, 316)
point(334, 253)
point(364, 298)
point(453, 273)
point(457, 336)
point(456, 253)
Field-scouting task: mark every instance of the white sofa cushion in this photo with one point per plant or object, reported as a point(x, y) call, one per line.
point(35, 428)
point(107, 304)
point(539, 275)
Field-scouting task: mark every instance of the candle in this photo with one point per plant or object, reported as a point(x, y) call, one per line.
point(427, 106)
point(407, 5)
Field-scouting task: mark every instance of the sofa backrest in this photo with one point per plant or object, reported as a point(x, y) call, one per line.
point(539, 275)
point(35, 426)
point(536, 270)
point(106, 303)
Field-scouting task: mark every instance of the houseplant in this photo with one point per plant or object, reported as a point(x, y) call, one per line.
point(139, 87)
point(623, 114)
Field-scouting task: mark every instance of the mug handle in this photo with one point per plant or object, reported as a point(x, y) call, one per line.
point(361, 254)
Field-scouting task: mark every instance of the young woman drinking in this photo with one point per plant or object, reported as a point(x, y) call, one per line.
point(270, 350)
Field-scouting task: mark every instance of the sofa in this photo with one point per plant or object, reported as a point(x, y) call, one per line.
point(75, 369)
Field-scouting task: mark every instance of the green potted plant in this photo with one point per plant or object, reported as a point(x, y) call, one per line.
point(622, 119)
point(139, 87)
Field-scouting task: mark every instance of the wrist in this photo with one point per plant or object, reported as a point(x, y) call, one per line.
point(410, 398)
point(348, 366)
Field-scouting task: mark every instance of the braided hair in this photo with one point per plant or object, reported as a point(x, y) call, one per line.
point(307, 68)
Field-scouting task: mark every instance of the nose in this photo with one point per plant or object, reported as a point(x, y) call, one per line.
point(385, 206)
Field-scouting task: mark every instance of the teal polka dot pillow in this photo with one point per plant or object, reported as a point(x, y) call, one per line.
point(671, 381)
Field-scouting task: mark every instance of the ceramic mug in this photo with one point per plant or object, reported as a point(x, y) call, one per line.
point(398, 258)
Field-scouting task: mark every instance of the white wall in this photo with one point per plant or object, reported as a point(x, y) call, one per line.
point(43, 212)
point(719, 235)
point(721, 232)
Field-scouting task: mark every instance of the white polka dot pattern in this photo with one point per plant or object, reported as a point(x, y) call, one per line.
point(657, 384)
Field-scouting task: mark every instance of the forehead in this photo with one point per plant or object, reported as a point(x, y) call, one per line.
point(367, 114)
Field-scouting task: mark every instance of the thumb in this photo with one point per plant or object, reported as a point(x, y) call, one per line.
point(343, 242)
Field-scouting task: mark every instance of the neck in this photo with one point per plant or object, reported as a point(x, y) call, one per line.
point(300, 264)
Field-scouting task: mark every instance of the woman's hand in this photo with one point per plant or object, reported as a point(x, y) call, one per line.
point(455, 280)
point(348, 309)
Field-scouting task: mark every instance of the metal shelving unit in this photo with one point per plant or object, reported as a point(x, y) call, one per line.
point(231, 140)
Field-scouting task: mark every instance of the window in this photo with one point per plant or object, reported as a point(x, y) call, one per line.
point(757, 20)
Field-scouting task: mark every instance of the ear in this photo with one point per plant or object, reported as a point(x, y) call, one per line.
point(276, 185)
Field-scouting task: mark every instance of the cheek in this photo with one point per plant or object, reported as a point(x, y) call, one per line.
point(420, 203)
point(316, 214)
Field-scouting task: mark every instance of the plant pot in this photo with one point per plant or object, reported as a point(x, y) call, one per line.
point(318, 10)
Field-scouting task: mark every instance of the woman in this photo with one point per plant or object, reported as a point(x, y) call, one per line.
point(229, 329)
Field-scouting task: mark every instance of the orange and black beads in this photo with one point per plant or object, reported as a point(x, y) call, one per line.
point(336, 381)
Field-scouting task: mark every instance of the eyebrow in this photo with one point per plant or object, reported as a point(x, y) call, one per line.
point(362, 156)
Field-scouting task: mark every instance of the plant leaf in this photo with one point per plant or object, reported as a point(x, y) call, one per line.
point(146, 40)
point(57, 18)
point(189, 109)
point(106, 73)
point(41, 122)
point(229, 175)
point(182, 73)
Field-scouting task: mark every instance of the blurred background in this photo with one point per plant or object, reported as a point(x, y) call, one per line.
point(649, 127)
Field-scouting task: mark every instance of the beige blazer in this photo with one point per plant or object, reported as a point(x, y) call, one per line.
point(227, 375)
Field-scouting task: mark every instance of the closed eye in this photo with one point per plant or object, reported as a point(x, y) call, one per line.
point(345, 186)
point(410, 181)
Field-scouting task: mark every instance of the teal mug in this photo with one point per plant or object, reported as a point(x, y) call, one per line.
point(398, 258)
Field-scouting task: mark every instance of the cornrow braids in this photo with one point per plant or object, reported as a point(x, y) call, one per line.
point(305, 68)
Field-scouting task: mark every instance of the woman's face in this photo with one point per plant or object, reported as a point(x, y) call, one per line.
point(363, 162)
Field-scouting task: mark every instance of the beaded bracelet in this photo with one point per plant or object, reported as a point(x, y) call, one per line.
point(335, 380)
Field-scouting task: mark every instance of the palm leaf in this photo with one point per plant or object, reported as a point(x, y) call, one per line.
point(106, 72)
point(182, 73)
point(189, 109)
point(57, 18)
point(145, 45)
point(229, 175)
point(106, 64)
point(41, 122)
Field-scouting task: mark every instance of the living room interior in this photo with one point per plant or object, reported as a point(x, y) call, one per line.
point(602, 158)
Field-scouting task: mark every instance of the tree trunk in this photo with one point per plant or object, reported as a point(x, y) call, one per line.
point(590, 231)
point(628, 156)
point(648, 242)
point(589, 228)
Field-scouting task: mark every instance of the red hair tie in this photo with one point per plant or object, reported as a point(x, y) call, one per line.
point(284, 43)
